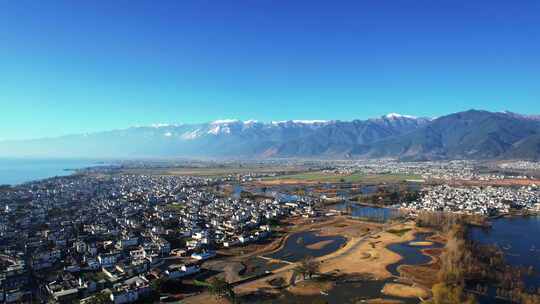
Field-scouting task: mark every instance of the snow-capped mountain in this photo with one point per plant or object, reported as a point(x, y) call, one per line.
point(223, 137)
point(393, 135)
point(398, 116)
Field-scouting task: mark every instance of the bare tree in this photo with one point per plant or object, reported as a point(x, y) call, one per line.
point(308, 267)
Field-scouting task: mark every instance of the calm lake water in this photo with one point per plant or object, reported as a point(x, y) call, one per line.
point(411, 255)
point(519, 237)
point(297, 246)
point(18, 171)
point(366, 212)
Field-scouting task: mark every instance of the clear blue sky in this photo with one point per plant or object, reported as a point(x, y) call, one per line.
point(83, 66)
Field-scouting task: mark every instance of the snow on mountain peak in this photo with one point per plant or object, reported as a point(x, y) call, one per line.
point(396, 115)
point(310, 122)
point(224, 121)
point(298, 121)
point(220, 129)
point(191, 134)
point(162, 125)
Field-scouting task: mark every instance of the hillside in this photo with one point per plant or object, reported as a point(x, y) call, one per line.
point(472, 134)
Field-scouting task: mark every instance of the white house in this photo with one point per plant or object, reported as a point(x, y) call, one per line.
point(177, 271)
point(203, 256)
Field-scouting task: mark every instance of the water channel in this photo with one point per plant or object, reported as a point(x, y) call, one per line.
point(347, 291)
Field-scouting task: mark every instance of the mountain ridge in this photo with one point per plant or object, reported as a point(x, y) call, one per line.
point(474, 134)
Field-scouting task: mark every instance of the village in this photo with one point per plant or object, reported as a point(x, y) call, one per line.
point(72, 238)
point(486, 201)
point(463, 170)
point(69, 238)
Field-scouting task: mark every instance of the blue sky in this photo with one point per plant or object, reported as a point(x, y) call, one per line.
point(83, 66)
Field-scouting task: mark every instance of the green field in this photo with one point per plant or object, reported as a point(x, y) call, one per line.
point(319, 176)
point(212, 171)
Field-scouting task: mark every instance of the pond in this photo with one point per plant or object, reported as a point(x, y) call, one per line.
point(308, 243)
point(411, 255)
point(360, 290)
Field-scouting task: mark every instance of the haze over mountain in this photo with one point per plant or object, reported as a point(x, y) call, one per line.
point(472, 134)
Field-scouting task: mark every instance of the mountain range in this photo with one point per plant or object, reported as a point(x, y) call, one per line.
point(472, 134)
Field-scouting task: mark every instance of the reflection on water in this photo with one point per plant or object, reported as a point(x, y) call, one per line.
point(519, 239)
point(411, 255)
point(342, 293)
point(297, 246)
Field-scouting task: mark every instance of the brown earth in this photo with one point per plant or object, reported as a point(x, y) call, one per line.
point(425, 275)
point(365, 253)
point(405, 291)
point(310, 288)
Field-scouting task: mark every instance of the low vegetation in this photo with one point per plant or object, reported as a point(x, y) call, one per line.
point(465, 263)
point(222, 289)
point(385, 196)
point(401, 290)
point(307, 268)
point(399, 232)
point(99, 298)
point(328, 177)
point(444, 221)
point(454, 261)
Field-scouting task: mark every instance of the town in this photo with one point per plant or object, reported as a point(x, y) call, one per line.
point(99, 232)
point(487, 201)
point(68, 238)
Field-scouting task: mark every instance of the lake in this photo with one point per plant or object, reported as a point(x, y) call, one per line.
point(20, 170)
point(518, 236)
point(520, 241)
